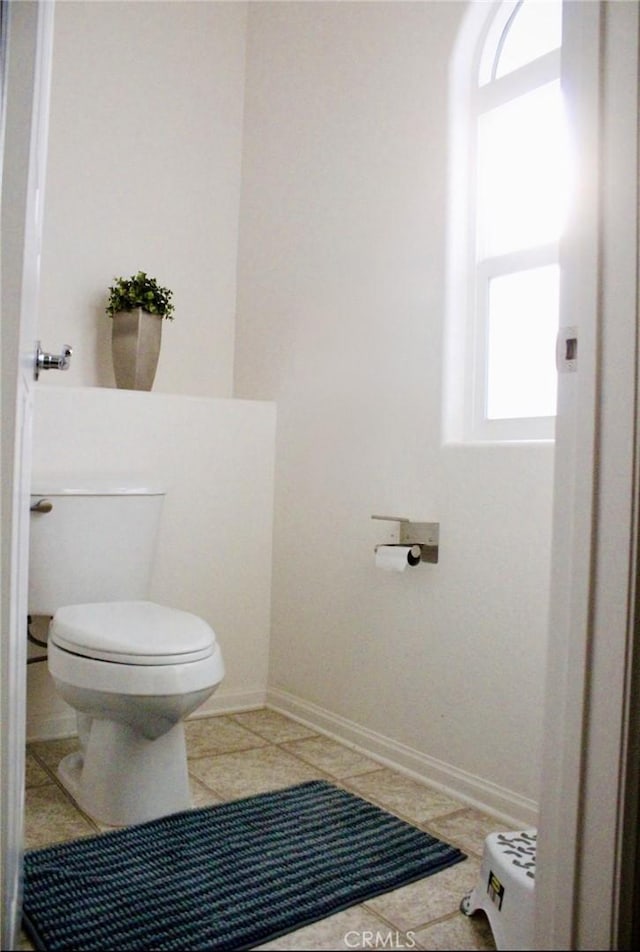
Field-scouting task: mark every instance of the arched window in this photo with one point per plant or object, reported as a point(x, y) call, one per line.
point(510, 186)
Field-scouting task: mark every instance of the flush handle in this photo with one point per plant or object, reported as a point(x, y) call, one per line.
point(42, 505)
point(46, 361)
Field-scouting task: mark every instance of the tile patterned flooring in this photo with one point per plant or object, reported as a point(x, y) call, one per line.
point(237, 755)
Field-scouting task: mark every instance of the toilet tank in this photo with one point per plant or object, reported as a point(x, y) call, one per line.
point(96, 544)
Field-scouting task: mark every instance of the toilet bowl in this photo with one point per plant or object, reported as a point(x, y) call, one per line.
point(131, 668)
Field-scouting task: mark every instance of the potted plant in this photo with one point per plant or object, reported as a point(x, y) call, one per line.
point(138, 305)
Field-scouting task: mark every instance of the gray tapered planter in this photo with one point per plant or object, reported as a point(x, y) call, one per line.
point(135, 347)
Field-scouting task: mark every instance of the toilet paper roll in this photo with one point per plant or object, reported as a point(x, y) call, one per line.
point(395, 558)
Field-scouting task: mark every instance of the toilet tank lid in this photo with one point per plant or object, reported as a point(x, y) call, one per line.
point(62, 485)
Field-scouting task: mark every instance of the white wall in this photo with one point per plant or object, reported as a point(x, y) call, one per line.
point(340, 319)
point(144, 174)
point(214, 550)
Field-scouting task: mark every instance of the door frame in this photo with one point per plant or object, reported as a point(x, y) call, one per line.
point(27, 59)
point(587, 841)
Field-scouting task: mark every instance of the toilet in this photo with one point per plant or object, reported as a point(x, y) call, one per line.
point(131, 668)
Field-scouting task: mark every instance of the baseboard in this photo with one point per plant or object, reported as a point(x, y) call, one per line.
point(52, 728)
point(473, 791)
point(231, 702)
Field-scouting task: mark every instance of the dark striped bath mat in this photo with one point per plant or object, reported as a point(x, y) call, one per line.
point(225, 877)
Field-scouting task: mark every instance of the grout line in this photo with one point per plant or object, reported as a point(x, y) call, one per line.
point(223, 753)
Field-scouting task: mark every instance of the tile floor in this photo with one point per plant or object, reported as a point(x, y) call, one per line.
point(238, 755)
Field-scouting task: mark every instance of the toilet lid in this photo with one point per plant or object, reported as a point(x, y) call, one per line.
point(132, 633)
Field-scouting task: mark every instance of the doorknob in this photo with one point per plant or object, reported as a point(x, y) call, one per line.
point(51, 361)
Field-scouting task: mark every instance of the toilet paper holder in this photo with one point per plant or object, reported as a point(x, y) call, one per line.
point(424, 534)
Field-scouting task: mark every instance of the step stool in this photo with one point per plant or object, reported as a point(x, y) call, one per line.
point(506, 887)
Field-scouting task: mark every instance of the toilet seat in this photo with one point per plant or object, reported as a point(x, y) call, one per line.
point(132, 633)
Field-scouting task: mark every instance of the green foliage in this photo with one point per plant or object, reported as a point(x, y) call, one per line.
point(140, 291)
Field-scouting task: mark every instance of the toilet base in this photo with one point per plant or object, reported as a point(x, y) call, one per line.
point(120, 777)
